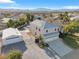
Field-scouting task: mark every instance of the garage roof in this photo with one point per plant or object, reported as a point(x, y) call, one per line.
point(9, 32)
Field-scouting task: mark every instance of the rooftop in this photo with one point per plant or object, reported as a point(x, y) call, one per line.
point(44, 24)
point(5, 20)
point(9, 32)
point(50, 25)
point(38, 23)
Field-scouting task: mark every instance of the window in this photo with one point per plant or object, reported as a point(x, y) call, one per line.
point(39, 29)
point(46, 30)
point(58, 29)
point(36, 28)
point(55, 29)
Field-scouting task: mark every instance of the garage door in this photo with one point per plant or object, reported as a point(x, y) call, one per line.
point(59, 47)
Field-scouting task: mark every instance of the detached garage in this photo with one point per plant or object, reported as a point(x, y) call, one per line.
point(10, 36)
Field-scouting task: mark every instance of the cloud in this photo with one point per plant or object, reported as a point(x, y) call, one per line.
point(71, 7)
point(6, 1)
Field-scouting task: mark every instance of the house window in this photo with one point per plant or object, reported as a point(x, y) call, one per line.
point(55, 29)
point(39, 29)
point(58, 29)
point(36, 28)
point(46, 30)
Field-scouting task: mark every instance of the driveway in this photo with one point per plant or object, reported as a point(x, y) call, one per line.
point(73, 55)
point(59, 47)
point(33, 51)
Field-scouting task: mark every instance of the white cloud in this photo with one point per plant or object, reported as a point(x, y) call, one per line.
point(71, 7)
point(6, 1)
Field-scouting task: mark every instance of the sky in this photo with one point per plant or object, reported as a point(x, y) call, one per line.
point(33, 4)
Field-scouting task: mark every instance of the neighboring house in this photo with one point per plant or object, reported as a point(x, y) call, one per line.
point(47, 30)
point(15, 18)
point(74, 18)
point(10, 36)
point(5, 20)
point(38, 17)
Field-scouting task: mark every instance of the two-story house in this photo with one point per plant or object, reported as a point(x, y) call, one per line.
point(50, 33)
point(47, 30)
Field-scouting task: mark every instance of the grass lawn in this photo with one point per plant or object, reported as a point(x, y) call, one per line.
point(71, 40)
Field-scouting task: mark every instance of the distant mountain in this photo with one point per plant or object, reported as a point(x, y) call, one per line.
point(38, 10)
point(41, 9)
point(51, 10)
point(70, 10)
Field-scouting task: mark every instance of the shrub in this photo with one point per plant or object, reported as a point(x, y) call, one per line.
point(15, 55)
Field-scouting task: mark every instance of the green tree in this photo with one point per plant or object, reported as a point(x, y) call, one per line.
point(17, 24)
point(65, 17)
point(42, 44)
point(7, 14)
point(41, 38)
point(31, 17)
point(28, 18)
point(22, 21)
point(10, 23)
point(15, 55)
point(72, 27)
point(61, 16)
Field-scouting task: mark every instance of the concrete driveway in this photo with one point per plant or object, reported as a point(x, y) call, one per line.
point(33, 51)
point(73, 55)
point(59, 47)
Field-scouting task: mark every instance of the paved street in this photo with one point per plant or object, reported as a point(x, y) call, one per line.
point(33, 51)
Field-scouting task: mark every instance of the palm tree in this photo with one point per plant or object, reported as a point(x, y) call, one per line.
point(64, 17)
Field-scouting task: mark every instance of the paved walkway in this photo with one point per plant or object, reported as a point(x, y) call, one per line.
point(33, 51)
